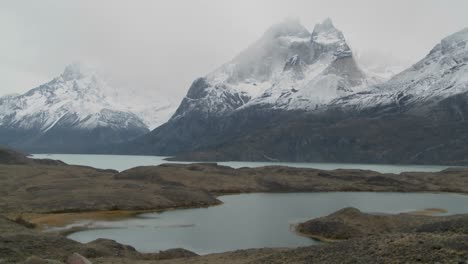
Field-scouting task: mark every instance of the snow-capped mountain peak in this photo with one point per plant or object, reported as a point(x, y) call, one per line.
point(287, 28)
point(441, 74)
point(77, 70)
point(287, 68)
point(326, 33)
point(326, 38)
point(79, 97)
point(75, 98)
point(326, 71)
point(457, 41)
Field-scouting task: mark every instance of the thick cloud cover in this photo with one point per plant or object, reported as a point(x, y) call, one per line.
point(159, 47)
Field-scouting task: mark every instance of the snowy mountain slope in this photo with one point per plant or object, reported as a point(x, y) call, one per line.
point(443, 73)
point(77, 98)
point(328, 72)
point(287, 68)
point(383, 65)
point(153, 113)
point(80, 98)
point(152, 108)
point(248, 75)
point(77, 106)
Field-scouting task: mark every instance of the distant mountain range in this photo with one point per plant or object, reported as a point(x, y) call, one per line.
point(75, 112)
point(300, 96)
point(293, 95)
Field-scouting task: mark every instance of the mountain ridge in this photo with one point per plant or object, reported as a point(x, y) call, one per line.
point(78, 105)
point(341, 130)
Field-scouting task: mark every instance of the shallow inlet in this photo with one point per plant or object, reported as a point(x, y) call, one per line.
point(123, 162)
point(256, 220)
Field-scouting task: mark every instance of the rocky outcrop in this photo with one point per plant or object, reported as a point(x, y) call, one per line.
point(350, 223)
point(12, 157)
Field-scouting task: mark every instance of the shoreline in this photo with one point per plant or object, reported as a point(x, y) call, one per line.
point(77, 193)
point(58, 222)
point(319, 239)
point(48, 221)
point(426, 212)
point(293, 164)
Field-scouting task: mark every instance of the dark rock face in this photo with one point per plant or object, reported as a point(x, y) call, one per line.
point(197, 90)
point(69, 140)
point(66, 139)
point(346, 66)
point(435, 135)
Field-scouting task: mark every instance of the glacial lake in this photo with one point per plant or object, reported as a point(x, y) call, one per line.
point(248, 220)
point(123, 162)
point(255, 220)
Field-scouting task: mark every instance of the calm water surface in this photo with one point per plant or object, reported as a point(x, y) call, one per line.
point(248, 220)
point(123, 162)
point(255, 220)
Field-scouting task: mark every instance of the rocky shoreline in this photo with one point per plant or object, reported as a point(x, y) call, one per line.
point(349, 223)
point(36, 193)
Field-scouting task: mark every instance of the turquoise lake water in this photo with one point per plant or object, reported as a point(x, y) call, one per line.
point(123, 162)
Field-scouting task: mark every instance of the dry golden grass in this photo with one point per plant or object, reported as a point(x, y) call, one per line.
point(63, 219)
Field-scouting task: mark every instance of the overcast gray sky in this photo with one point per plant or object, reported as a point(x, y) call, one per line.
point(164, 45)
